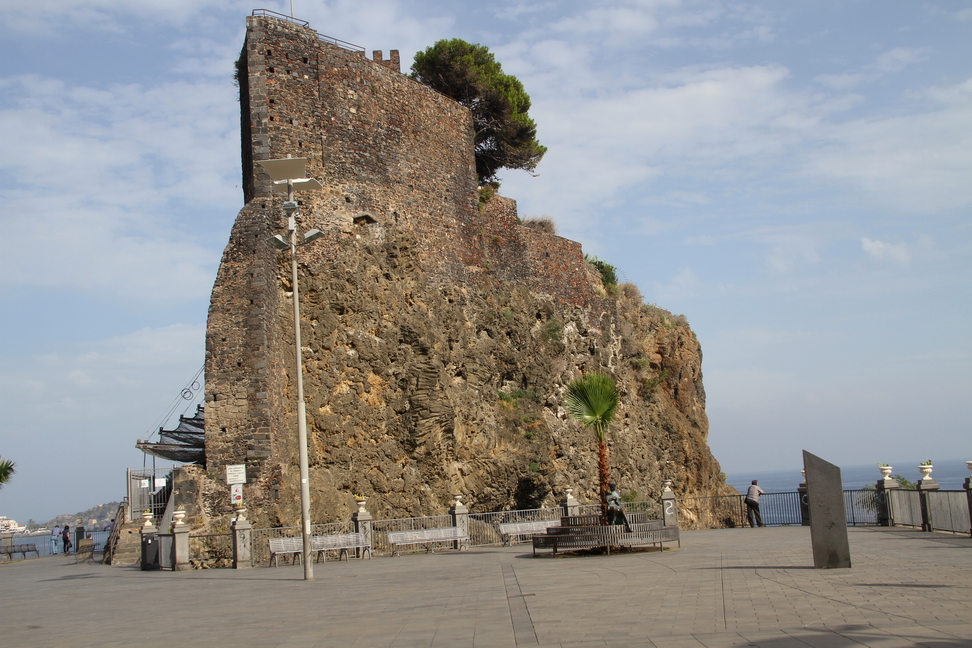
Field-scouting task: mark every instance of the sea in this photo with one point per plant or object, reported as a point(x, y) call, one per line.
point(950, 475)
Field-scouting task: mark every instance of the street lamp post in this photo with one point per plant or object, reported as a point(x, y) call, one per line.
point(288, 175)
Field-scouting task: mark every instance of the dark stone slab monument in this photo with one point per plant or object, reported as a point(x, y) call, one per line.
point(828, 519)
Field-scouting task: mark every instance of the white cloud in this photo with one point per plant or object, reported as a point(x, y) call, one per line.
point(47, 17)
point(898, 59)
point(916, 163)
point(881, 251)
point(115, 172)
point(90, 379)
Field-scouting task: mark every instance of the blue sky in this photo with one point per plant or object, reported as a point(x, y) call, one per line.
point(795, 178)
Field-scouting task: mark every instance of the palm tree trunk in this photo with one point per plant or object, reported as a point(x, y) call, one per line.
point(604, 474)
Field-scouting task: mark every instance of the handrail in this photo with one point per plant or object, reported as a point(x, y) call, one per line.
point(112, 541)
point(266, 13)
point(279, 16)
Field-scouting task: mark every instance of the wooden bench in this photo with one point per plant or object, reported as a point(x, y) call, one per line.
point(588, 537)
point(293, 547)
point(426, 536)
point(509, 529)
point(22, 549)
point(340, 542)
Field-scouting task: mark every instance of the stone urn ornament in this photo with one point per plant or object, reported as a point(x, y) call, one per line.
point(885, 470)
point(361, 501)
point(925, 468)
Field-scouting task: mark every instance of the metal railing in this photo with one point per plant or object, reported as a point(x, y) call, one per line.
point(484, 527)
point(148, 489)
point(380, 529)
point(303, 23)
point(261, 537)
point(776, 509)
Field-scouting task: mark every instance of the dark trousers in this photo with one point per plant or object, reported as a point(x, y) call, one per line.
point(752, 509)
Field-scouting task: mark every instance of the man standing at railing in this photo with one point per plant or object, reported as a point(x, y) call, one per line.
point(55, 536)
point(752, 505)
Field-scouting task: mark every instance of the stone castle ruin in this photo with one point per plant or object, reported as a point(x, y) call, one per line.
point(439, 335)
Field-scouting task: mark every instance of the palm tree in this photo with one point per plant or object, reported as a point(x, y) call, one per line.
point(6, 470)
point(592, 400)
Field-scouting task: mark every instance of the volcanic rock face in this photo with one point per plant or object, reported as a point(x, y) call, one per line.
point(438, 336)
point(416, 391)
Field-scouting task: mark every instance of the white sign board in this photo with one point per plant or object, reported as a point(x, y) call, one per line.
point(236, 495)
point(236, 474)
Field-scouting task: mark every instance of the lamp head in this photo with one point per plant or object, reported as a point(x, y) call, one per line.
point(279, 242)
point(312, 235)
point(290, 207)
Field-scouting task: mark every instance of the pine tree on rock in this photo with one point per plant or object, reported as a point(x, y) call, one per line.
point(505, 135)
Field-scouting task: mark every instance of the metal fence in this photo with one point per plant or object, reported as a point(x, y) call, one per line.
point(44, 546)
point(261, 537)
point(483, 527)
point(861, 506)
point(381, 528)
point(148, 489)
point(776, 509)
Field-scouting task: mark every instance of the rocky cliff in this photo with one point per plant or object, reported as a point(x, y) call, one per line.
point(438, 337)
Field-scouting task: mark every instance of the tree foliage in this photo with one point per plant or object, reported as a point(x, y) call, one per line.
point(6, 470)
point(592, 400)
point(505, 135)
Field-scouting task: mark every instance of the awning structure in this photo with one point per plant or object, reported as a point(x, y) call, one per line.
point(184, 444)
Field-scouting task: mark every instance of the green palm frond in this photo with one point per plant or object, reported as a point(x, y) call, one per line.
point(592, 400)
point(6, 470)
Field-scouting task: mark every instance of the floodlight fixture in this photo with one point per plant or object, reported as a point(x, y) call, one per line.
point(298, 184)
point(279, 242)
point(285, 169)
point(312, 235)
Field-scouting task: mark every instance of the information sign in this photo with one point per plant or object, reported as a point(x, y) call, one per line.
point(236, 474)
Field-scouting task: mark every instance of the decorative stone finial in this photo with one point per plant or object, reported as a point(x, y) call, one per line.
point(667, 486)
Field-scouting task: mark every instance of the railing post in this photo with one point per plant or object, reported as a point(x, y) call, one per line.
point(804, 501)
point(460, 518)
point(180, 542)
point(669, 505)
point(569, 504)
point(883, 500)
point(924, 487)
point(362, 524)
point(242, 541)
point(968, 493)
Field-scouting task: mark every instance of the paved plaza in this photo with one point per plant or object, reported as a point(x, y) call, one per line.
point(731, 587)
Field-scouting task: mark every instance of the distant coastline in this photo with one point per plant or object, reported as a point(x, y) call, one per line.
point(949, 474)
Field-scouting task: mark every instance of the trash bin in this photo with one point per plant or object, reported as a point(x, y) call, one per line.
point(150, 551)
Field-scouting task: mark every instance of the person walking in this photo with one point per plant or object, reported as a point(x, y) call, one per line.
point(752, 505)
point(66, 538)
point(55, 532)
